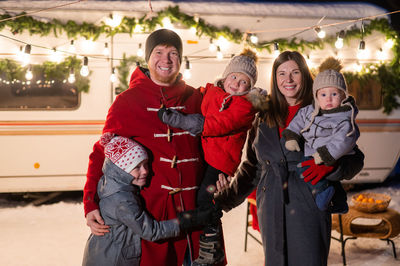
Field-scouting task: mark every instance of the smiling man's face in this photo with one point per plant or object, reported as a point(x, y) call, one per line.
point(164, 65)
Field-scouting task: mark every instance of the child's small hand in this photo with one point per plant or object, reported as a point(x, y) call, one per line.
point(223, 182)
point(292, 145)
point(317, 158)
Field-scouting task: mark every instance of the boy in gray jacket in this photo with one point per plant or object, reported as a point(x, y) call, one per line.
point(328, 129)
point(125, 173)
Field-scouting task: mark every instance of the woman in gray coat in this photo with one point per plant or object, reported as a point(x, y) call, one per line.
point(294, 231)
point(125, 172)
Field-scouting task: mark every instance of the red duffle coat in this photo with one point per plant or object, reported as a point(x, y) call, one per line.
point(227, 119)
point(134, 114)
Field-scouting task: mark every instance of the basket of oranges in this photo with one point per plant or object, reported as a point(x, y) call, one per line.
point(370, 202)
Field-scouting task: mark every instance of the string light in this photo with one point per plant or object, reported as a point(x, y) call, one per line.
point(389, 44)
point(212, 47)
point(26, 57)
point(113, 77)
point(223, 43)
point(362, 52)
point(71, 77)
point(339, 41)
point(114, 20)
point(193, 30)
point(254, 39)
point(220, 56)
point(106, 51)
point(85, 69)
point(166, 22)
point(381, 55)
point(72, 48)
point(28, 74)
point(138, 28)
point(276, 50)
point(55, 56)
point(140, 51)
point(187, 74)
point(320, 32)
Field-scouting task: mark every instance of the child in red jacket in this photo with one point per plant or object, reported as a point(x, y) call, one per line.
point(228, 109)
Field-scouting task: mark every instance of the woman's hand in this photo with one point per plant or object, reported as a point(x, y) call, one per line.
point(96, 223)
point(223, 182)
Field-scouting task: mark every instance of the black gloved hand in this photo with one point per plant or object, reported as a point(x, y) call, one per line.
point(193, 123)
point(198, 217)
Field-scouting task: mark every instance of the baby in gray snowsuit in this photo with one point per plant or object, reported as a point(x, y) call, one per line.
point(327, 129)
point(125, 172)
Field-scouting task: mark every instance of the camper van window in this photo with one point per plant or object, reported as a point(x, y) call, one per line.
point(39, 96)
point(368, 94)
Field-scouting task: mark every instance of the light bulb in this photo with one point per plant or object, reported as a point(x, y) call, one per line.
point(29, 74)
point(276, 50)
point(223, 43)
point(26, 56)
point(85, 69)
point(254, 39)
point(140, 51)
point(320, 32)
point(220, 56)
point(113, 77)
point(72, 48)
point(114, 20)
point(106, 51)
point(166, 22)
point(71, 77)
point(55, 56)
point(212, 46)
point(187, 74)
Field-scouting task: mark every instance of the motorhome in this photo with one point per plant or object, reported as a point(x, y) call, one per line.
point(47, 134)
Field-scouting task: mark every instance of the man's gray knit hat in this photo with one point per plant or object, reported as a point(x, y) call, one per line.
point(244, 63)
point(165, 37)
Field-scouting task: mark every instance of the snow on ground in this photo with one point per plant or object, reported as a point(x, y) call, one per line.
point(55, 234)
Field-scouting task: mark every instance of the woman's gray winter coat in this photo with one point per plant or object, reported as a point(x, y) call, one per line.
point(294, 231)
point(121, 209)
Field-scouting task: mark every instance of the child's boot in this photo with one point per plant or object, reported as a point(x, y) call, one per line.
point(211, 248)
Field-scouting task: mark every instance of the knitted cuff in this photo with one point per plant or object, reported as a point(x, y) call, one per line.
point(289, 135)
point(326, 156)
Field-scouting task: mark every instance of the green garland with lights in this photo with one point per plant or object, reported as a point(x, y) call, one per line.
point(387, 75)
point(12, 70)
point(123, 71)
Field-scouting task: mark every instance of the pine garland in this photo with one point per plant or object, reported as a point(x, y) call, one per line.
point(387, 75)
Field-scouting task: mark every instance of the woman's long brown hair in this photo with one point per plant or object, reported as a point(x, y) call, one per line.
point(278, 106)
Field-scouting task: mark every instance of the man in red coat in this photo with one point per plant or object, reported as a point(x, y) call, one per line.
point(176, 163)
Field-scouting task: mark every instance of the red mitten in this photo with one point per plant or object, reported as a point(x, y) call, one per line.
point(314, 172)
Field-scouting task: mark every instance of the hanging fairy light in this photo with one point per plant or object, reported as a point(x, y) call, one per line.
point(187, 74)
point(339, 41)
point(193, 30)
point(220, 56)
point(320, 32)
point(140, 51)
point(72, 48)
point(26, 57)
point(106, 51)
point(381, 55)
point(212, 47)
point(362, 51)
point(138, 28)
point(166, 22)
point(114, 20)
point(223, 43)
point(55, 56)
point(85, 69)
point(28, 74)
point(276, 51)
point(20, 53)
point(389, 44)
point(113, 77)
point(71, 77)
point(253, 38)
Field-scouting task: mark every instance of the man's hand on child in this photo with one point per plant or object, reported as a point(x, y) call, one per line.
point(292, 145)
point(96, 223)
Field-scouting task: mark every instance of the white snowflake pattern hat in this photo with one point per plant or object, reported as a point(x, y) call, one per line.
point(123, 152)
